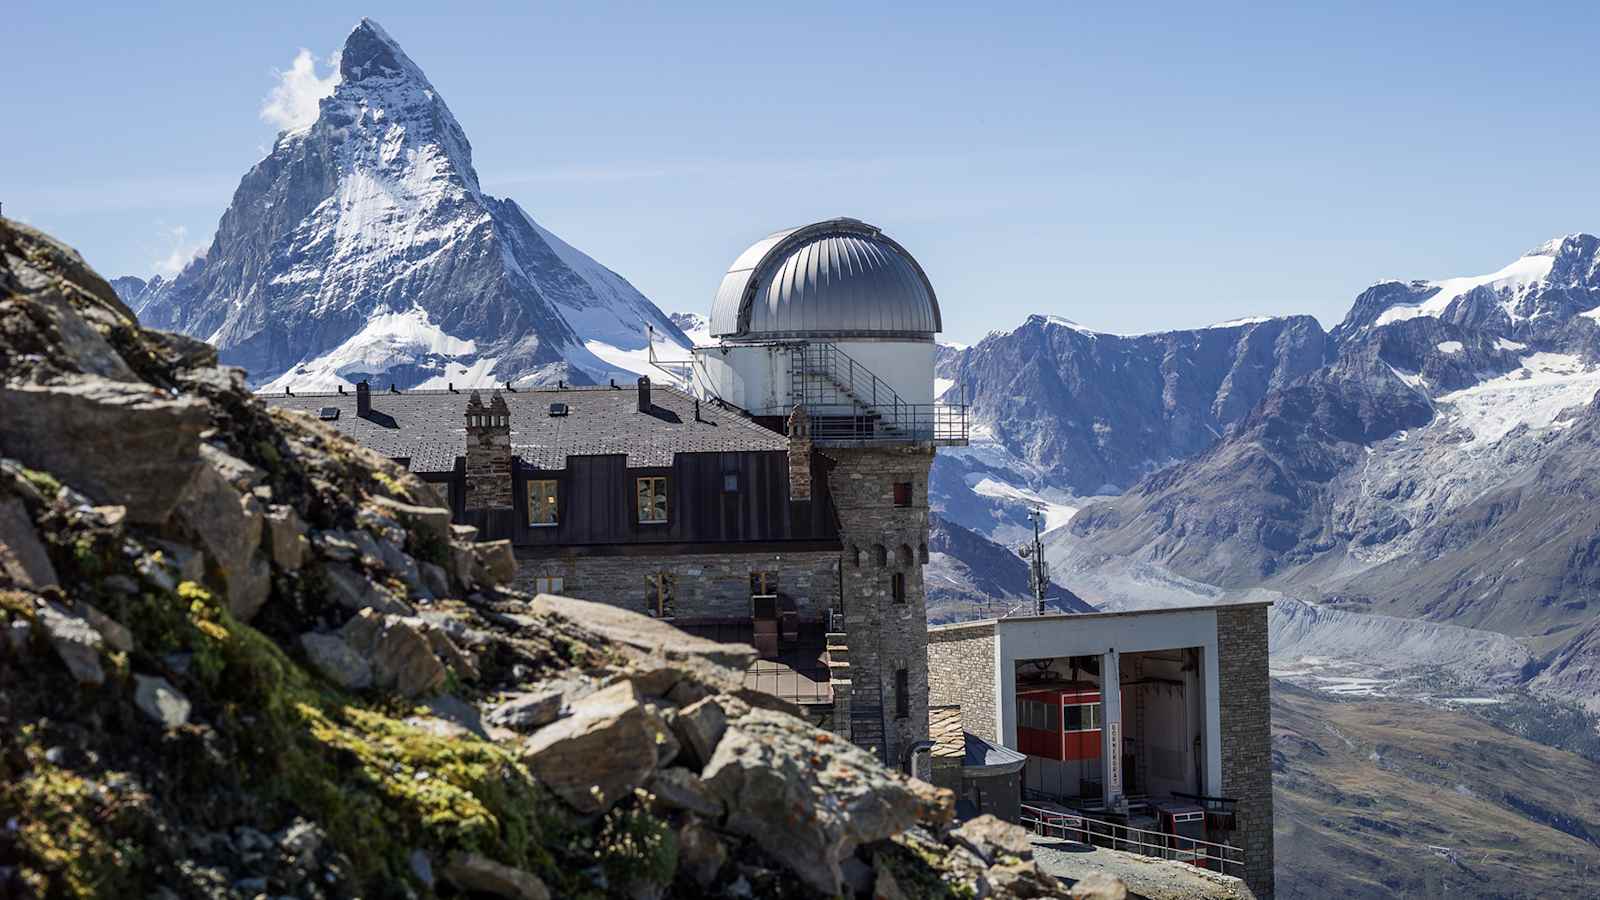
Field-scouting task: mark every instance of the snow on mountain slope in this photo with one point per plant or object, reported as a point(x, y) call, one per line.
point(363, 247)
point(1510, 284)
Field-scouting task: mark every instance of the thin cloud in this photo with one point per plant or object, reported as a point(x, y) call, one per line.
point(292, 103)
point(183, 252)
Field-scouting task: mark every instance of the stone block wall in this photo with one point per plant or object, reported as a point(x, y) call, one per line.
point(961, 671)
point(1246, 713)
point(880, 541)
point(706, 585)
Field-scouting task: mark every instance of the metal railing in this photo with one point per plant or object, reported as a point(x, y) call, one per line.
point(798, 684)
point(1224, 858)
point(846, 401)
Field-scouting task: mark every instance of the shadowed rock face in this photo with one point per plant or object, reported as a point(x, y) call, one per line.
point(363, 245)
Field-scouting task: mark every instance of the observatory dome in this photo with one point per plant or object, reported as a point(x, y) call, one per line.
point(839, 280)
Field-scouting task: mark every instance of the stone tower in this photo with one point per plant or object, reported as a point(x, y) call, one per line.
point(488, 453)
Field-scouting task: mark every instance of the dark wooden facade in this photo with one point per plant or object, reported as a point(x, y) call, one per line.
point(597, 506)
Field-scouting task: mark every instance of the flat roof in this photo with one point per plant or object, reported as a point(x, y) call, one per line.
point(1105, 614)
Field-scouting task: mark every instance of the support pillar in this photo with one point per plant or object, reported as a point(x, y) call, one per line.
point(1111, 728)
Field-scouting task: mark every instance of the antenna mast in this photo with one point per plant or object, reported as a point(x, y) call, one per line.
point(1038, 569)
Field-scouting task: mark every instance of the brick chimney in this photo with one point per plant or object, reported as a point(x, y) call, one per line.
point(488, 453)
point(363, 399)
point(799, 454)
point(644, 394)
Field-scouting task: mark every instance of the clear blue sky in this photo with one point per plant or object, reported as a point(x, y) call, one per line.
point(1132, 170)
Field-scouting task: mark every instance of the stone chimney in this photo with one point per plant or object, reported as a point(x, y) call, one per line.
point(799, 454)
point(644, 394)
point(363, 399)
point(488, 453)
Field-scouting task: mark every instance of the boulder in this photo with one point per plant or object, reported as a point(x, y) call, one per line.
point(1099, 886)
point(435, 578)
point(228, 523)
point(23, 559)
point(459, 712)
point(463, 565)
point(355, 591)
point(187, 563)
point(74, 640)
point(479, 873)
point(603, 750)
point(401, 657)
point(431, 521)
point(336, 661)
point(679, 788)
point(805, 796)
point(496, 562)
point(115, 441)
point(114, 633)
point(992, 837)
point(285, 537)
point(701, 853)
point(527, 712)
point(160, 701)
point(644, 633)
point(699, 727)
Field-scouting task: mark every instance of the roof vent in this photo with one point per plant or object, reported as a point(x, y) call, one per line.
point(328, 413)
point(559, 409)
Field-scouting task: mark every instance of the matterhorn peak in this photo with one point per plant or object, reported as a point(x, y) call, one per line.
point(362, 247)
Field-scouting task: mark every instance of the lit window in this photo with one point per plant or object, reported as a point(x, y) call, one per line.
point(652, 495)
point(662, 585)
point(542, 502)
point(554, 584)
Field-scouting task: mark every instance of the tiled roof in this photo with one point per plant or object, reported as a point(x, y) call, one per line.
point(429, 426)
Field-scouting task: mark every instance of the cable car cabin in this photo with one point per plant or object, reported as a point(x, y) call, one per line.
point(1060, 722)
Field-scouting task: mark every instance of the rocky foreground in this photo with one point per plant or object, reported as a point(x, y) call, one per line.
point(241, 656)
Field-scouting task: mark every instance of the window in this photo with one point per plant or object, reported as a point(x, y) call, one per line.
point(763, 584)
point(553, 584)
point(662, 585)
point(922, 553)
point(897, 583)
point(1037, 716)
point(1081, 716)
point(902, 694)
point(652, 494)
point(902, 493)
point(855, 556)
point(880, 555)
point(542, 502)
point(730, 482)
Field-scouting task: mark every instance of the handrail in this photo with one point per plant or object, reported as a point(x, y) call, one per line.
point(846, 401)
point(1117, 836)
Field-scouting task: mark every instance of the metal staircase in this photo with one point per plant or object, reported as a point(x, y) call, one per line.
point(847, 402)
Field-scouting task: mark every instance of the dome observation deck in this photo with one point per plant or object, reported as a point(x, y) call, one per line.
point(839, 279)
point(838, 319)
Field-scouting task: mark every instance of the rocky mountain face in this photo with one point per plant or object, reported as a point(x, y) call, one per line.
point(243, 656)
point(363, 246)
point(1061, 412)
point(1440, 467)
point(969, 576)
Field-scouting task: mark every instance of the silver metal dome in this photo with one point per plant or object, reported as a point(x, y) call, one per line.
point(841, 278)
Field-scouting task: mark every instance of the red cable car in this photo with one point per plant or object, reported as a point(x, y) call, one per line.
point(1062, 721)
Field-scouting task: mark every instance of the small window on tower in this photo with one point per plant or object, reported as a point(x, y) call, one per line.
point(902, 694)
point(730, 482)
point(897, 582)
point(902, 493)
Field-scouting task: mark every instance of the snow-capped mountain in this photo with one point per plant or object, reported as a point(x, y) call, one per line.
point(362, 245)
point(1441, 467)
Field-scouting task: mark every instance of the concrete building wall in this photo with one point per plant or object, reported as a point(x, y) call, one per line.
point(961, 671)
point(706, 585)
point(1247, 735)
point(882, 540)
